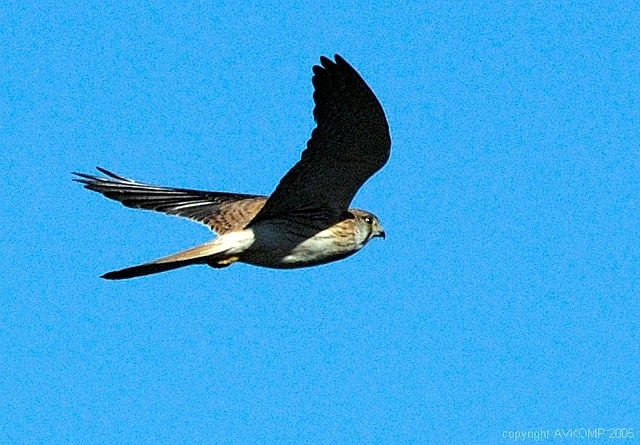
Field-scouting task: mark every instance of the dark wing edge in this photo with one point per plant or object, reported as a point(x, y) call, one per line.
point(218, 210)
point(350, 143)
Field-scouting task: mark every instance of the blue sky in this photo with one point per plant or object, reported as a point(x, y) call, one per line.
point(505, 298)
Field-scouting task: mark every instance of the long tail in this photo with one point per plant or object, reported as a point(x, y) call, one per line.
point(213, 253)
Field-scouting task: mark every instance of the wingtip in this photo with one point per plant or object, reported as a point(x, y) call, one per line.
point(325, 61)
point(111, 174)
point(86, 179)
point(82, 177)
point(327, 64)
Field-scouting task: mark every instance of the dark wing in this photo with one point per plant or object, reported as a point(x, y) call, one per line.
point(350, 143)
point(222, 212)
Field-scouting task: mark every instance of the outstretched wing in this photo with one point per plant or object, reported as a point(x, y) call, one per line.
point(222, 212)
point(350, 143)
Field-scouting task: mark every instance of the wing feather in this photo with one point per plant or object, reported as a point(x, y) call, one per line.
point(221, 212)
point(349, 144)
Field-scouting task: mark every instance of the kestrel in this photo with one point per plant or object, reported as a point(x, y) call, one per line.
point(307, 220)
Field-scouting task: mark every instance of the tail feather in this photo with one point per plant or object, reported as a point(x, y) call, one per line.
point(211, 252)
point(142, 270)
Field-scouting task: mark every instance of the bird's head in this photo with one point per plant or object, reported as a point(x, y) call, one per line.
point(370, 223)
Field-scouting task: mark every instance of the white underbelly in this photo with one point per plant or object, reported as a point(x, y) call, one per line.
point(280, 249)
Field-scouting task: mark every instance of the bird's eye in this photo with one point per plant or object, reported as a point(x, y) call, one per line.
point(368, 219)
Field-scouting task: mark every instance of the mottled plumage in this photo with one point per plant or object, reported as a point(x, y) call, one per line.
point(306, 221)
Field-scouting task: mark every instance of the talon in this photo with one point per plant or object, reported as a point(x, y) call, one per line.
point(224, 262)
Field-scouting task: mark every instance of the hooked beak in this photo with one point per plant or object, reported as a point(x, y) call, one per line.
point(382, 234)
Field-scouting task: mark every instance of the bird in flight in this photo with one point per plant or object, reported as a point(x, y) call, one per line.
point(307, 220)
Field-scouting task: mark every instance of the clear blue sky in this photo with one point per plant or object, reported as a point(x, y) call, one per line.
point(506, 296)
